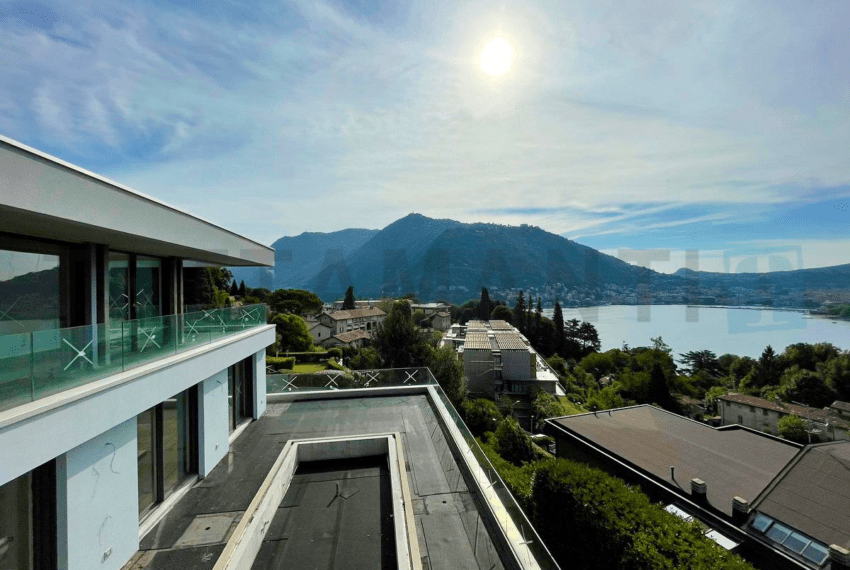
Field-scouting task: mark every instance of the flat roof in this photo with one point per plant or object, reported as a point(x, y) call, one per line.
point(45, 197)
point(813, 494)
point(451, 533)
point(732, 462)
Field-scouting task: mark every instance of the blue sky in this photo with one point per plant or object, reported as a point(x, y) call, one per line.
point(717, 126)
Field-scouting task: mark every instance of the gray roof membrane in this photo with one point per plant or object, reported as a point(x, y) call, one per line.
point(451, 534)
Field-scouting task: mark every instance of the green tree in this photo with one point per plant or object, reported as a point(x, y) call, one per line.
point(701, 361)
point(292, 333)
point(519, 312)
point(294, 301)
point(741, 367)
point(805, 386)
point(234, 289)
point(588, 337)
point(366, 359)
point(558, 317)
point(242, 289)
point(501, 313)
point(448, 371)
point(513, 443)
point(348, 302)
point(544, 406)
point(768, 369)
point(484, 305)
point(481, 415)
point(417, 317)
point(399, 341)
point(793, 429)
point(837, 374)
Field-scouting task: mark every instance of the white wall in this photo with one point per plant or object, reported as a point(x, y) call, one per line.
point(516, 365)
point(213, 426)
point(26, 444)
point(97, 501)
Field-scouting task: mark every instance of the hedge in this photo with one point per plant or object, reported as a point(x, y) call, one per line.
point(280, 363)
point(589, 519)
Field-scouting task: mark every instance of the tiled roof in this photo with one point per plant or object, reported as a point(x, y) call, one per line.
point(819, 415)
point(510, 341)
point(476, 341)
point(783, 407)
point(500, 325)
point(839, 405)
point(355, 314)
point(352, 336)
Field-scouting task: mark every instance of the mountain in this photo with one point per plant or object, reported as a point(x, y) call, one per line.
point(441, 259)
point(298, 259)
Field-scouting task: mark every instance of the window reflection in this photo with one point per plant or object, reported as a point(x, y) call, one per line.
point(119, 286)
point(15, 524)
point(29, 292)
point(147, 287)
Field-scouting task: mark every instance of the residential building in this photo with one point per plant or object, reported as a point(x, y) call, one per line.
point(776, 503)
point(113, 400)
point(822, 424)
point(352, 320)
point(319, 332)
point(439, 321)
point(354, 339)
point(431, 308)
point(358, 304)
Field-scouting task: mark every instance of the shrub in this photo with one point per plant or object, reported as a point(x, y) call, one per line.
point(334, 353)
point(793, 428)
point(513, 443)
point(280, 363)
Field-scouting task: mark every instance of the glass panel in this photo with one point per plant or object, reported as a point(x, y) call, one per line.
point(15, 524)
point(119, 286)
point(176, 425)
point(147, 287)
point(15, 370)
point(816, 553)
point(70, 357)
point(149, 339)
point(231, 377)
point(778, 533)
point(145, 427)
point(797, 542)
point(761, 522)
point(29, 292)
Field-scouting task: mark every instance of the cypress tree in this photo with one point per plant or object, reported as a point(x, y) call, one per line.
point(519, 312)
point(242, 289)
point(558, 317)
point(348, 303)
point(234, 290)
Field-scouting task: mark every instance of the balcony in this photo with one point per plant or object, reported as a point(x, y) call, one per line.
point(39, 364)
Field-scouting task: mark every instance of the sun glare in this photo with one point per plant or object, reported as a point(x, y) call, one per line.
point(496, 57)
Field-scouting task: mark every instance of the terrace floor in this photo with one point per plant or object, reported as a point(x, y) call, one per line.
point(450, 532)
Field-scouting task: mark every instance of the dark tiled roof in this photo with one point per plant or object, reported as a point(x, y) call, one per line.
point(352, 336)
point(839, 405)
point(813, 495)
point(356, 313)
point(733, 462)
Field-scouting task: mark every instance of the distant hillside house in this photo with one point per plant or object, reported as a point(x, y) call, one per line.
point(827, 424)
point(319, 331)
point(352, 320)
point(353, 339)
point(430, 308)
point(358, 304)
point(439, 321)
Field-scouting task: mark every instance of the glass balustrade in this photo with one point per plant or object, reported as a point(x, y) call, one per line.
point(42, 363)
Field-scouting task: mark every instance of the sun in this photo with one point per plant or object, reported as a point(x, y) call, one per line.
point(496, 57)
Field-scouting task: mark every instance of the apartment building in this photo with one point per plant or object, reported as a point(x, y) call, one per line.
point(113, 400)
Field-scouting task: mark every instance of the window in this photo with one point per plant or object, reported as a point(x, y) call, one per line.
point(167, 444)
point(752, 409)
point(740, 419)
point(794, 541)
point(31, 284)
point(240, 393)
point(28, 520)
point(764, 411)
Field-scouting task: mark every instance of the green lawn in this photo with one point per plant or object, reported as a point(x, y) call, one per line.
point(570, 409)
point(309, 367)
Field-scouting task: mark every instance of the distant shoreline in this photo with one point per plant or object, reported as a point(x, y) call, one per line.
point(809, 313)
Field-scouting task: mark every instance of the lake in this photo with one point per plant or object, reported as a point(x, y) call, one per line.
point(740, 331)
